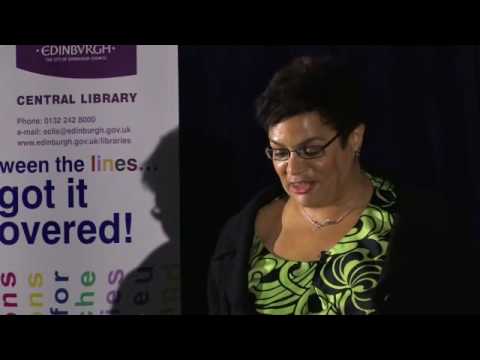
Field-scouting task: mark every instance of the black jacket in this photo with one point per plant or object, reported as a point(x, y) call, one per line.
point(428, 267)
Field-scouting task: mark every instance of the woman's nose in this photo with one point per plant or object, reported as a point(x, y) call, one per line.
point(295, 164)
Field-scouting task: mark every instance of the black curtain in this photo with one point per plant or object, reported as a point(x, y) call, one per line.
point(422, 104)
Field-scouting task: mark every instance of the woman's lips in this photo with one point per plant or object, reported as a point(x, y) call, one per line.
point(300, 187)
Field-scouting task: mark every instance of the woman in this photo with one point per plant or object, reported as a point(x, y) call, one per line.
point(327, 240)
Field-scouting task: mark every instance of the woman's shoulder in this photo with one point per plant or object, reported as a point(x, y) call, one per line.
point(263, 202)
point(410, 193)
point(268, 218)
point(240, 227)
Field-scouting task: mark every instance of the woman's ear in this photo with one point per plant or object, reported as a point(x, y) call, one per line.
point(356, 138)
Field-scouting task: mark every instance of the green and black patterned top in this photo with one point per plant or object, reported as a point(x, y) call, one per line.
point(342, 282)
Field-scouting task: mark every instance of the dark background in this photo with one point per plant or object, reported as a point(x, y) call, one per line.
point(422, 103)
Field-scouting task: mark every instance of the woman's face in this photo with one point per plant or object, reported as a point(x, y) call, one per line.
point(319, 181)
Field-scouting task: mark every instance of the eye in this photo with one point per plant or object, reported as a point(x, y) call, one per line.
point(280, 153)
point(312, 150)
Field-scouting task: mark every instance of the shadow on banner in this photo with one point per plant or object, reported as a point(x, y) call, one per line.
point(154, 286)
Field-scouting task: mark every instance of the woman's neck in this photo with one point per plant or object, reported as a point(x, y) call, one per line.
point(354, 193)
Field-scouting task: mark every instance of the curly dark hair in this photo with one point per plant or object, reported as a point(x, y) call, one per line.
point(324, 85)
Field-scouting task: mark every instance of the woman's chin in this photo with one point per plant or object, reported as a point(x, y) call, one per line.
point(309, 200)
point(306, 200)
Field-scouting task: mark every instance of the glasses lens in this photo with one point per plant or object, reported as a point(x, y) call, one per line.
point(312, 151)
point(280, 154)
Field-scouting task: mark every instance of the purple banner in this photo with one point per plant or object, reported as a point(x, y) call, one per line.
point(78, 61)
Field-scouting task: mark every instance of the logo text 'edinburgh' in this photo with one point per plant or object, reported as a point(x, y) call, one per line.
point(78, 61)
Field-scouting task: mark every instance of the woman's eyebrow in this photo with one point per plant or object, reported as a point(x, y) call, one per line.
point(302, 143)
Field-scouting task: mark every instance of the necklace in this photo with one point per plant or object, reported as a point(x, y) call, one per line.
point(326, 222)
point(319, 225)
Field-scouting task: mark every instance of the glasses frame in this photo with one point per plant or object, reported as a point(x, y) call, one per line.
point(298, 151)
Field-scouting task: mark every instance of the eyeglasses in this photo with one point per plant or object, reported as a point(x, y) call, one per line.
point(305, 152)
